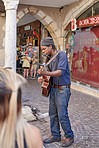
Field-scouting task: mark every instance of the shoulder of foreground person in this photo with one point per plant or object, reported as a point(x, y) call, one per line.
point(36, 136)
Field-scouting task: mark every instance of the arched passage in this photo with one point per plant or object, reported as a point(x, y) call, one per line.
point(46, 20)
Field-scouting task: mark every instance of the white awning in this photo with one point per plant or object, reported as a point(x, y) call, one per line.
point(48, 3)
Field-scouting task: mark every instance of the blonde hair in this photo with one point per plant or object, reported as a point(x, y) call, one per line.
point(12, 127)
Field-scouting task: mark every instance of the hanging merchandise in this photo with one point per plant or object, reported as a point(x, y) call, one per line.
point(34, 32)
point(31, 33)
point(37, 31)
point(30, 39)
point(38, 37)
point(21, 48)
point(33, 42)
point(33, 37)
point(22, 35)
point(27, 40)
point(28, 33)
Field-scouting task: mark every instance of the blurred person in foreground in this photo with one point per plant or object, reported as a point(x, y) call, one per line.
point(14, 131)
point(60, 93)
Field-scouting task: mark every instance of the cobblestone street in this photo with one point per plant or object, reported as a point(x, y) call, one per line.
point(83, 113)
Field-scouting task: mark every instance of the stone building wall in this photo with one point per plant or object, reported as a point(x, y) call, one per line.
point(54, 20)
point(2, 40)
point(2, 57)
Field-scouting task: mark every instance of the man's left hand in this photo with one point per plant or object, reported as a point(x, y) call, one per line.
point(41, 72)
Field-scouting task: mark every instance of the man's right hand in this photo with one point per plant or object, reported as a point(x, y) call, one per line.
point(40, 79)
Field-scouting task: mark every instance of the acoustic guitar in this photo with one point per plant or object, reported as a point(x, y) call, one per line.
point(46, 85)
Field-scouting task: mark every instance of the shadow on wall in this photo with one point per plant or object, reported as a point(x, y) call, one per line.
point(2, 57)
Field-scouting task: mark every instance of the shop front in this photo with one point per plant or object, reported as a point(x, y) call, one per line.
point(84, 47)
point(85, 61)
point(28, 33)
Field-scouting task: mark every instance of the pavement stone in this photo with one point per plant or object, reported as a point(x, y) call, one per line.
point(83, 114)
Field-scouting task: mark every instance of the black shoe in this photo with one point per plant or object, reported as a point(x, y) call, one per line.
point(51, 139)
point(67, 142)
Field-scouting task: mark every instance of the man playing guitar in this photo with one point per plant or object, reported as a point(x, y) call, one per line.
point(60, 93)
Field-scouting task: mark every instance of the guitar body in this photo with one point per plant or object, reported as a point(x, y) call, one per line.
point(46, 86)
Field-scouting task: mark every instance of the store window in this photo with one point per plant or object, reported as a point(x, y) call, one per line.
point(83, 47)
point(85, 60)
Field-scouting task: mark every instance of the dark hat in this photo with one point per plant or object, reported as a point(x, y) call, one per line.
point(47, 41)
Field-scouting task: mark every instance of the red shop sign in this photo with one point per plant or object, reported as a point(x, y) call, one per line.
point(91, 21)
point(73, 24)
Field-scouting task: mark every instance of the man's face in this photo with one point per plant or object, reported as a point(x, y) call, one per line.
point(46, 50)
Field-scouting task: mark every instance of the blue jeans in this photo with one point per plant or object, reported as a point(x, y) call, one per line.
point(58, 112)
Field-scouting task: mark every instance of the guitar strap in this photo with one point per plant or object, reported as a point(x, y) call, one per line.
point(55, 55)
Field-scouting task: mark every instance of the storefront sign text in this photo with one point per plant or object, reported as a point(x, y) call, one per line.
point(88, 21)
